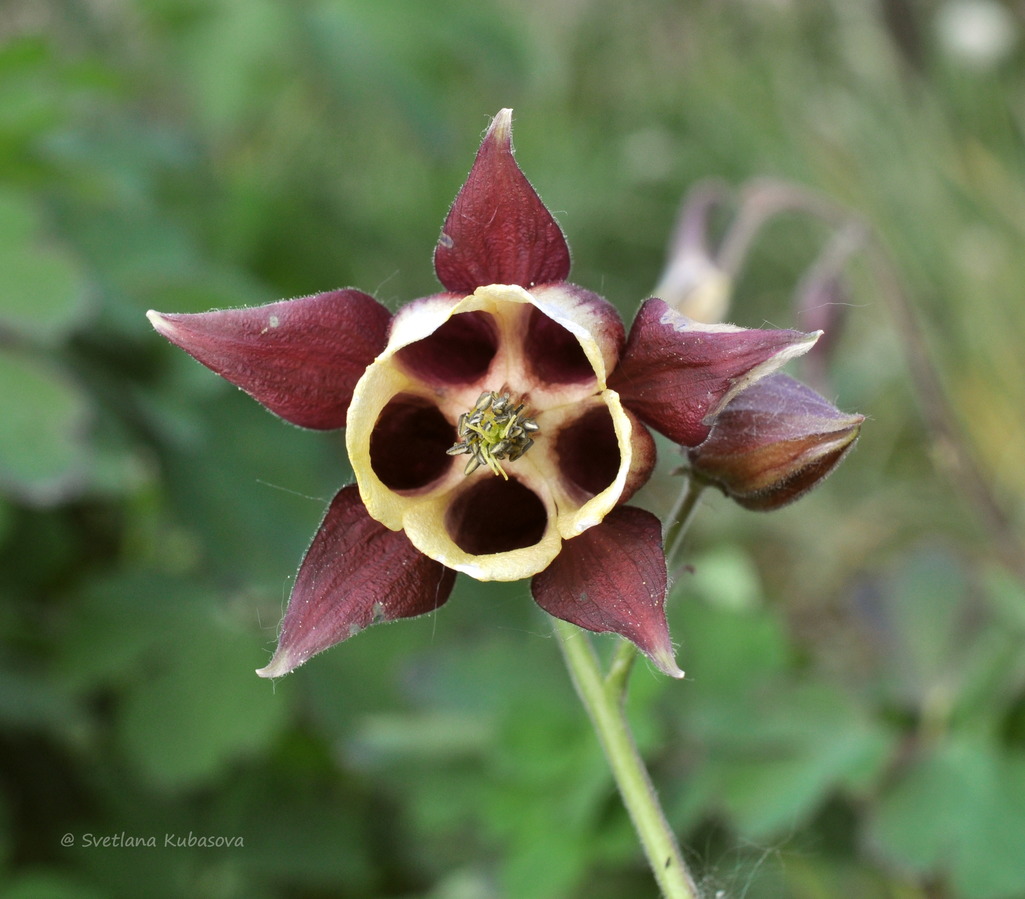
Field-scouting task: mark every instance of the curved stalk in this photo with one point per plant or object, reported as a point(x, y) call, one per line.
point(604, 697)
point(678, 521)
point(604, 700)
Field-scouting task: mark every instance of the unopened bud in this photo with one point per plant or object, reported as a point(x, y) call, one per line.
point(773, 443)
point(693, 283)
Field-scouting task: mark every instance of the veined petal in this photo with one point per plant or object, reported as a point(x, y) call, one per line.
point(676, 374)
point(355, 573)
point(613, 578)
point(299, 358)
point(498, 231)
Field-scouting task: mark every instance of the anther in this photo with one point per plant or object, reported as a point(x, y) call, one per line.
point(493, 430)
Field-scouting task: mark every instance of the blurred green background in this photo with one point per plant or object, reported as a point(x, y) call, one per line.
point(853, 722)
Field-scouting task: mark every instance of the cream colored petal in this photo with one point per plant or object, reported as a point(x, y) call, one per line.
point(418, 320)
point(381, 383)
point(423, 317)
point(426, 528)
point(576, 513)
point(590, 318)
point(422, 512)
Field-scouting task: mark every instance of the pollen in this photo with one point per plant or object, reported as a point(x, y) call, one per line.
point(494, 430)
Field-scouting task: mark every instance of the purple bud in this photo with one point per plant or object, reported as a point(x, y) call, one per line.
point(773, 443)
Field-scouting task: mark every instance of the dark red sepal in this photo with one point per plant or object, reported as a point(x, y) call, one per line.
point(498, 231)
point(676, 373)
point(299, 358)
point(355, 573)
point(613, 578)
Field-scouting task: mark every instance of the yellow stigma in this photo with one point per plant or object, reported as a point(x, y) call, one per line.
point(493, 430)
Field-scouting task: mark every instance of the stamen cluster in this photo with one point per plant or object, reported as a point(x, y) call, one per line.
point(493, 430)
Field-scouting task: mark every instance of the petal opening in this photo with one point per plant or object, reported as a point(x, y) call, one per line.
point(408, 443)
point(588, 451)
point(554, 353)
point(426, 525)
point(459, 352)
point(573, 475)
point(592, 318)
point(496, 516)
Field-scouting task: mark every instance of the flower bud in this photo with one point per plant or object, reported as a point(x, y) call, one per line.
point(693, 282)
point(773, 442)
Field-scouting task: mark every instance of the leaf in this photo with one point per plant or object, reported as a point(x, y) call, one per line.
point(958, 811)
point(233, 55)
point(810, 742)
point(42, 449)
point(46, 884)
point(42, 289)
point(30, 702)
point(947, 639)
point(202, 708)
point(989, 863)
point(928, 611)
point(727, 649)
point(110, 634)
point(309, 829)
point(188, 699)
point(726, 577)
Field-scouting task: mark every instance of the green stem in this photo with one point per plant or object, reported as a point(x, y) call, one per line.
point(620, 669)
point(678, 520)
point(604, 700)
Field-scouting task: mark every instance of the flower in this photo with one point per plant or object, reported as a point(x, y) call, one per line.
point(773, 443)
point(532, 378)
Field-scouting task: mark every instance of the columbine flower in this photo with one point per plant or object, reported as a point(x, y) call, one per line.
point(773, 443)
point(495, 429)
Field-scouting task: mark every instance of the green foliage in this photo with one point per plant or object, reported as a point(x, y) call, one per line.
point(42, 286)
point(853, 721)
point(41, 449)
point(957, 809)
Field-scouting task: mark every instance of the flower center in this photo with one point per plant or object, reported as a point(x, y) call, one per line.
point(493, 430)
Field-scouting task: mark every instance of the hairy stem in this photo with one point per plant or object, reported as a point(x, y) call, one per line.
point(677, 522)
point(604, 700)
